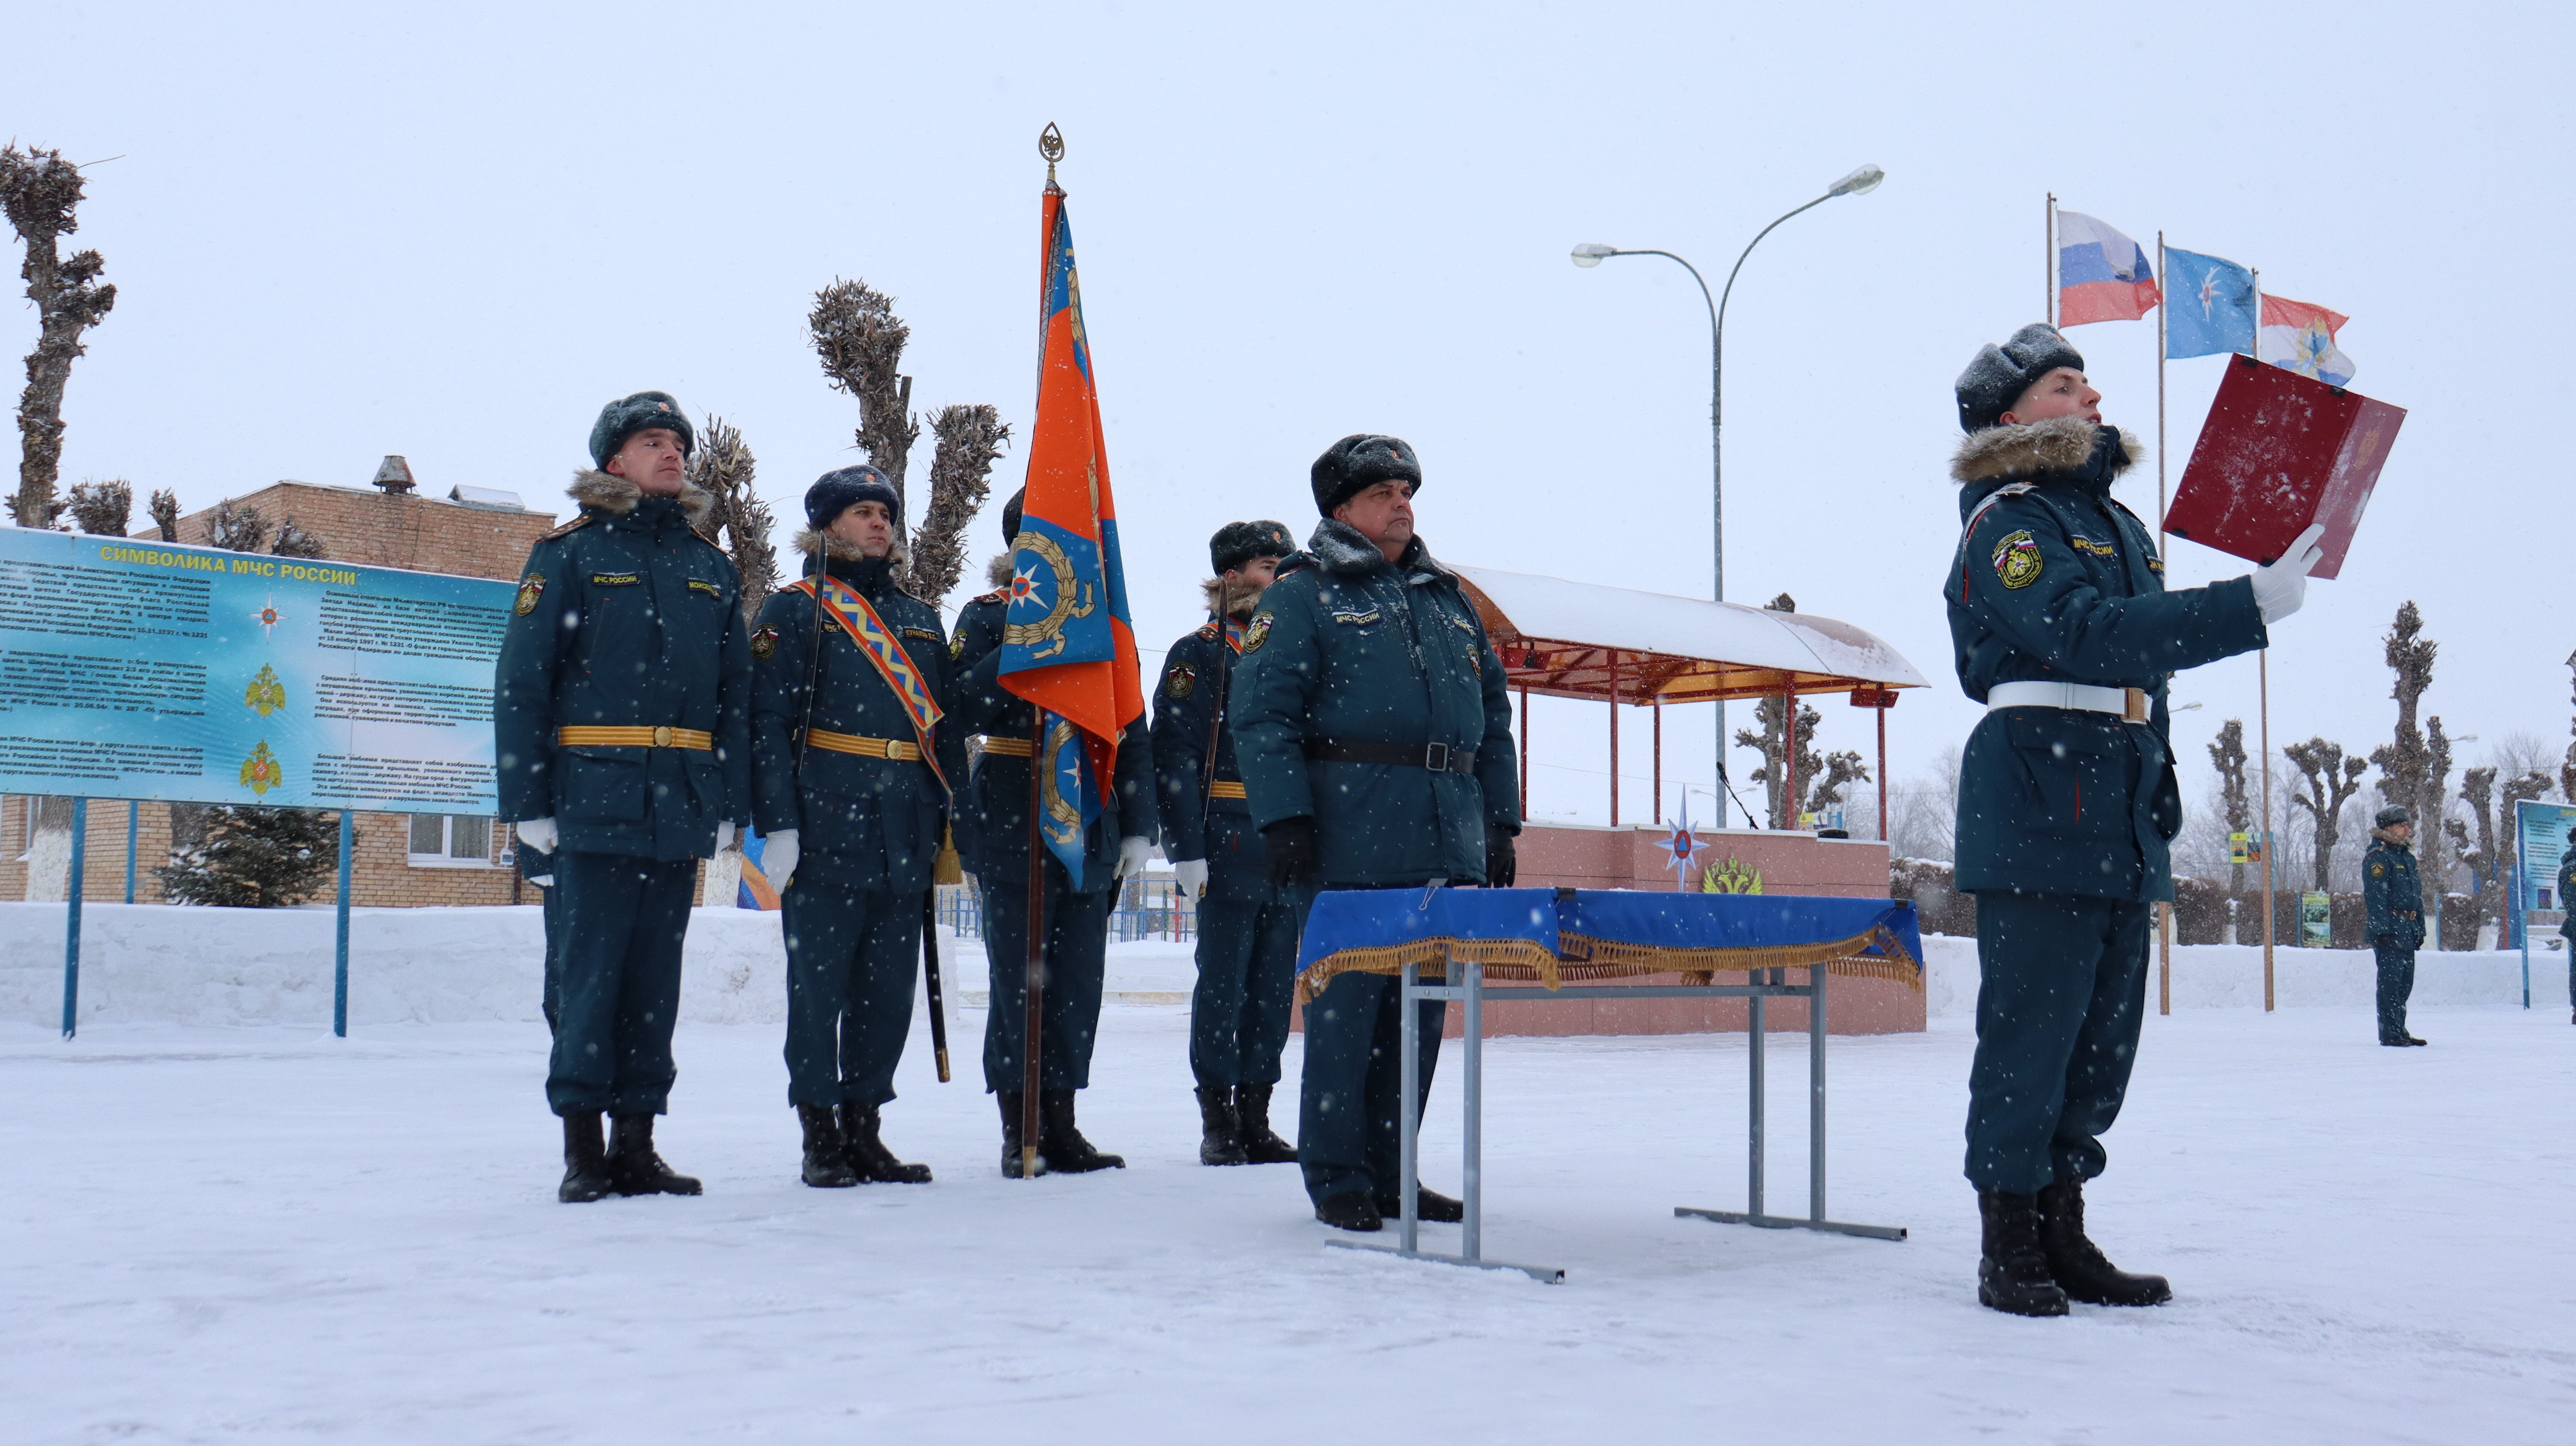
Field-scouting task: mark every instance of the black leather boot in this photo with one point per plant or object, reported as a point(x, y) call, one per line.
point(1012, 1137)
point(2077, 1264)
point(585, 1160)
point(1220, 1135)
point(824, 1168)
point(1252, 1118)
point(1065, 1150)
point(1352, 1210)
point(866, 1152)
point(2012, 1274)
point(1429, 1205)
point(633, 1168)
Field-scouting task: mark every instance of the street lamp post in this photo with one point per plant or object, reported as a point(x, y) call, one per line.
point(1591, 253)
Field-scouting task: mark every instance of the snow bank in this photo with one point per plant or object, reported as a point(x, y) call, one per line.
point(153, 963)
point(2230, 976)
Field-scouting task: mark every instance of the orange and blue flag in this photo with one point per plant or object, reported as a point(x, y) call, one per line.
point(1068, 644)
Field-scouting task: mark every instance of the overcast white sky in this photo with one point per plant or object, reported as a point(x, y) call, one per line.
point(453, 231)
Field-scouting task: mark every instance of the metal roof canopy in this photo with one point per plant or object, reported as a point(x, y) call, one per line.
point(1565, 639)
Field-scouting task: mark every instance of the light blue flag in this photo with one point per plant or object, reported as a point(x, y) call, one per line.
point(2209, 305)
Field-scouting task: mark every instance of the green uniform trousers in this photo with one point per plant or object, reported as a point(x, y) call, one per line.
point(852, 958)
point(2396, 986)
point(1076, 943)
point(2061, 994)
point(1350, 1099)
point(624, 921)
point(1247, 958)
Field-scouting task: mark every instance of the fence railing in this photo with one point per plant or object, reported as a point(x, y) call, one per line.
point(1147, 908)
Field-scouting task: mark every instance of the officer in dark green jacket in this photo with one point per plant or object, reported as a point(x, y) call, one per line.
point(2062, 628)
point(2394, 897)
point(851, 810)
point(2567, 926)
point(1374, 733)
point(622, 707)
point(1247, 930)
point(1077, 915)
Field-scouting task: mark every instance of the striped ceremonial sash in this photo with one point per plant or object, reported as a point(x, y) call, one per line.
point(878, 644)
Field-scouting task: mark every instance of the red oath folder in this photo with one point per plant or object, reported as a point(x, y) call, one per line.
point(2278, 452)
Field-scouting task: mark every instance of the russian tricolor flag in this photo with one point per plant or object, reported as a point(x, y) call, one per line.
point(2101, 274)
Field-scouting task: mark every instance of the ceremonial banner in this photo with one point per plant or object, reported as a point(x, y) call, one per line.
point(135, 669)
point(2102, 275)
point(2209, 308)
point(1067, 643)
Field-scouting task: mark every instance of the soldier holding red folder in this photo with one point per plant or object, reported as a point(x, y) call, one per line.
point(2062, 627)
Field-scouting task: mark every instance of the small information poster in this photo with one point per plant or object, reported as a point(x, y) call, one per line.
point(2541, 847)
point(147, 669)
point(2316, 920)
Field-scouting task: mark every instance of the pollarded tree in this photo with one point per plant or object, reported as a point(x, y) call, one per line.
point(2227, 755)
point(42, 194)
point(2405, 762)
point(2332, 780)
point(103, 507)
point(164, 508)
point(723, 469)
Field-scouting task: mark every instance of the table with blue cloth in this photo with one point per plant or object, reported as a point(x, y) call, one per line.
point(1554, 942)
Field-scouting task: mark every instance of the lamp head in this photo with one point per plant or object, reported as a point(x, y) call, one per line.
point(1591, 252)
point(1859, 183)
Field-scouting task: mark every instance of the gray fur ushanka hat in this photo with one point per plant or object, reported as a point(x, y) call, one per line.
point(1237, 543)
point(2000, 374)
point(1358, 462)
point(2393, 815)
point(623, 418)
point(837, 492)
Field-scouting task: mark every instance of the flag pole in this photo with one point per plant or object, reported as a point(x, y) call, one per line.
point(2048, 260)
point(1034, 991)
point(2164, 310)
point(2263, 670)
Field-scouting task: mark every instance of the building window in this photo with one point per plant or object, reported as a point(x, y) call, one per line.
point(451, 841)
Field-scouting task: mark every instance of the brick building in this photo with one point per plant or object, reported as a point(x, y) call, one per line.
point(401, 859)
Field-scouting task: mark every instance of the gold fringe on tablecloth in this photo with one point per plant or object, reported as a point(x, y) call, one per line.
point(1581, 959)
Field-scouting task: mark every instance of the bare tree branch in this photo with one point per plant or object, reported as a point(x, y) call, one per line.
point(969, 439)
point(861, 341)
point(42, 194)
point(724, 467)
point(103, 507)
point(165, 513)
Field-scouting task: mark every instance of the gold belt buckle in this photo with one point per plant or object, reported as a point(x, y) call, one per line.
point(2133, 705)
point(662, 736)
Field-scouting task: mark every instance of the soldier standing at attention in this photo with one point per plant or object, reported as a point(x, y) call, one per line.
point(850, 763)
point(1077, 915)
point(2394, 895)
point(2567, 926)
point(1374, 733)
point(622, 705)
point(2060, 624)
point(1247, 945)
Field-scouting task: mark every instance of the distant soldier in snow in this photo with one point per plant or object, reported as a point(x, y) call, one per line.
point(2394, 895)
point(851, 808)
point(1375, 738)
point(621, 706)
point(2567, 926)
point(2062, 627)
point(1247, 928)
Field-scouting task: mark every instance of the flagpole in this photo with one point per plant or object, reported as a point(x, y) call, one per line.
point(2164, 310)
point(1034, 991)
point(2263, 666)
point(2255, 349)
point(2048, 260)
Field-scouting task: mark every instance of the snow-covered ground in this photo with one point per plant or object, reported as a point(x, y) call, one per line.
point(262, 1233)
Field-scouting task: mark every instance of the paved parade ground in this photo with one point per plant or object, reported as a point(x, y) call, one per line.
point(266, 1234)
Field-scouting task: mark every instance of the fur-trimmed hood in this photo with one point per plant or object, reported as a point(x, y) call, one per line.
point(1245, 599)
point(617, 495)
point(2384, 836)
point(1339, 547)
point(811, 540)
point(998, 571)
point(2025, 449)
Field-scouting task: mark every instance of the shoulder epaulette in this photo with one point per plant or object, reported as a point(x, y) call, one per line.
point(578, 523)
point(1207, 632)
point(997, 595)
point(2009, 489)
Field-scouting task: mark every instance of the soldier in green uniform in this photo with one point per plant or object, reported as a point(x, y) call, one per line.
point(2567, 926)
point(1077, 914)
point(1247, 944)
point(2394, 897)
point(851, 807)
point(1374, 734)
point(539, 870)
point(2061, 626)
point(622, 707)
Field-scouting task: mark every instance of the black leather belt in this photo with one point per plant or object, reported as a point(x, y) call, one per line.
point(1438, 757)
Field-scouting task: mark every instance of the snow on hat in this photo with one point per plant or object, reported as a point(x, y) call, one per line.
point(2000, 374)
point(623, 418)
point(834, 493)
point(2395, 813)
point(1358, 462)
point(1237, 543)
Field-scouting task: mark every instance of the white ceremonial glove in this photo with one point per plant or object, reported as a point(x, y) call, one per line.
point(1132, 853)
point(778, 857)
point(724, 835)
point(538, 834)
point(2280, 587)
point(1192, 875)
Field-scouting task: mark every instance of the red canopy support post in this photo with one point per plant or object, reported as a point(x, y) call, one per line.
point(1788, 758)
point(1659, 761)
point(1525, 753)
point(1884, 700)
point(1614, 737)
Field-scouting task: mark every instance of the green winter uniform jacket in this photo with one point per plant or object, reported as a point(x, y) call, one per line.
point(1350, 648)
point(2054, 581)
point(1198, 674)
point(626, 618)
point(2392, 893)
point(996, 810)
point(868, 823)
